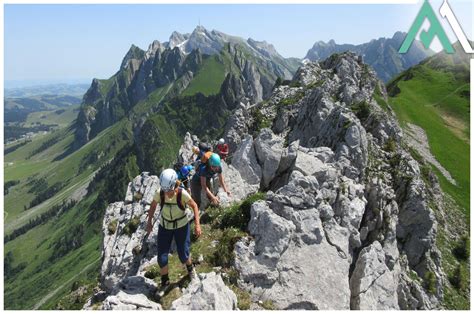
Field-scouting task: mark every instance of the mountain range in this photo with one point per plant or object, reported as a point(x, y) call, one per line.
point(382, 54)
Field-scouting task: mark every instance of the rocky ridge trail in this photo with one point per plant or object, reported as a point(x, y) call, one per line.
point(346, 222)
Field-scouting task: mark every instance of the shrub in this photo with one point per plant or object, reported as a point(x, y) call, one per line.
point(224, 254)
point(361, 110)
point(238, 215)
point(152, 272)
point(268, 305)
point(112, 227)
point(295, 84)
point(132, 226)
point(461, 251)
point(292, 99)
point(390, 146)
point(430, 282)
point(260, 121)
point(456, 279)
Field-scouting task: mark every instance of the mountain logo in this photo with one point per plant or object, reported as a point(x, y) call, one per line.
point(436, 29)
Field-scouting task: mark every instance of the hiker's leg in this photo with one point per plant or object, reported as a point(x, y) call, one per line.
point(183, 243)
point(164, 243)
point(196, 192)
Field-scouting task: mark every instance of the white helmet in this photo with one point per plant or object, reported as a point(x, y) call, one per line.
point(168, 179)
point(221, 141)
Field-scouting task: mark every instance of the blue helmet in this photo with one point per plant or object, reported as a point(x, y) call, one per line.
point(186, 170)
point(215, 160)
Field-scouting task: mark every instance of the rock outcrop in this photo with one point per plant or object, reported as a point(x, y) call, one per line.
point(346, 203)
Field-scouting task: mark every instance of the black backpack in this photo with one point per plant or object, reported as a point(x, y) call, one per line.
point(204, 147)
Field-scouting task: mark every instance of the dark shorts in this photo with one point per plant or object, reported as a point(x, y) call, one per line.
point(182, 237)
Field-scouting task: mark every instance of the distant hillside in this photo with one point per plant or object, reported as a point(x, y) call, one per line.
point(435, 95)
point(382, 54)
point(31, 115)
point(48, 89)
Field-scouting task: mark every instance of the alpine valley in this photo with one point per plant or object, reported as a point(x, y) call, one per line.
point(343, 195)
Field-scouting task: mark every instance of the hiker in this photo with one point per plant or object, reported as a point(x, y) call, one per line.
point(173, 224)
point(200, 151)
point(183, 172)
point(204, 173)
point(222, 149)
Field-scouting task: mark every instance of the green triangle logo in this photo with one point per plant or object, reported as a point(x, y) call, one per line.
point(426, 37)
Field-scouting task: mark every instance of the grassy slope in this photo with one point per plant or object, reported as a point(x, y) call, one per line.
point(44, 166)
point(434, 95)
point(34, 248)
point(63, 119)
point(209, 78)
point(40, 277)
point(430, 99)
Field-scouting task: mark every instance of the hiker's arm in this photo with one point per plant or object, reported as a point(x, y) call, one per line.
point(151, 214)
point(197, 224)
point(209, 194)
point(222, 183)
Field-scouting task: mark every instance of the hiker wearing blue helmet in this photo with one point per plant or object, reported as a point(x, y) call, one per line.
point(201, 179)
point(183, 172)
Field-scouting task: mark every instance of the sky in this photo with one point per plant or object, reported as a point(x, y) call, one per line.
point(78, 42)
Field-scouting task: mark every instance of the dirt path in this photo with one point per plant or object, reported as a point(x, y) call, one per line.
point(52, 293)
point(418, 140)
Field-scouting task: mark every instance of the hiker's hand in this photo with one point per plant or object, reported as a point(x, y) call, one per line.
point(149, 228)
point(197, 230)
point(229, 194)
point(214, 200)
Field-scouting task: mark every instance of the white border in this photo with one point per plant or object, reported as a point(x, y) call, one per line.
point(217, 2)
point(268, 2)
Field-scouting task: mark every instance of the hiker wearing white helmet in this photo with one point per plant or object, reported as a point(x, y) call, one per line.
point(222, 149)
point(173, 223)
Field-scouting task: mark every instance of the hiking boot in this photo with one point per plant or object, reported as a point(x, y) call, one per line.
point(164, 287)
point(191, 272)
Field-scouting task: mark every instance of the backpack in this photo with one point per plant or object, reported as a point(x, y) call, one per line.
point(177, 166)
point(204, 147)
point(206, 152)
point(178, 202)
point(205, 157)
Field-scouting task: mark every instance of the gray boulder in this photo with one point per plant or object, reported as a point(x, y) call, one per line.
point(245, 161)
point(373, 285)
point(126, 301)
point(269, 148)
point(206, 293)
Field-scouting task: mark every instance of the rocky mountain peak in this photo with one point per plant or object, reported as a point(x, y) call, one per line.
point(153, 48)
point(177, 39)
point(264, 48)
point(134, 53)
point(399, 36)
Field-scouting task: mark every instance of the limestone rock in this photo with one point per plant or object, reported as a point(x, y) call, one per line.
point(373, 286)
point(206, 293)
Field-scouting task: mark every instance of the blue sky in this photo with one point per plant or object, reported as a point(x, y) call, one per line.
point(78, 41)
